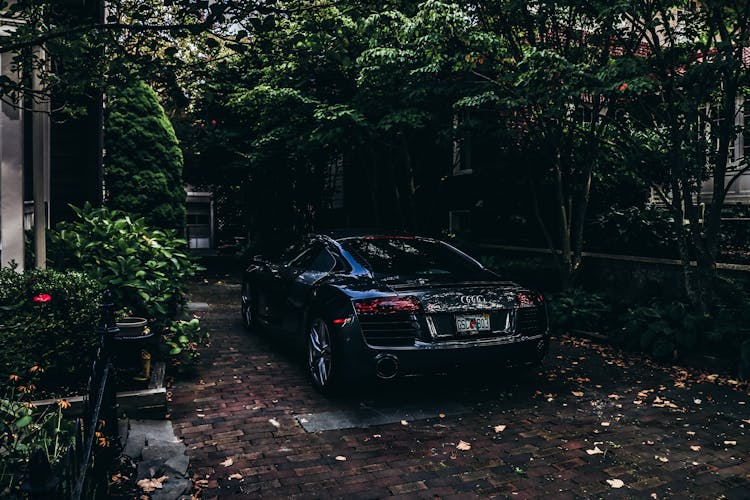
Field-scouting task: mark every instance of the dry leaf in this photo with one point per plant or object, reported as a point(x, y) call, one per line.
point(747, 421)
point(695, 448)
point(690, 433)
point(605, 424)
point(274, 422)
point(463, 446)
point(404, 422)
point(697, 401)
point(341, 458)
point(661, 459)
point(236, 475)
point(614, 396)
point(615, 483)
point(152, 484)
point(577, 394)
point(227, 462)
point(730, 443)
point(595, 451)
point(650, 443)
point(500, 428)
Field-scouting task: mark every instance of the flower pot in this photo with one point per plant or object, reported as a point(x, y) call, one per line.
point(132, 328)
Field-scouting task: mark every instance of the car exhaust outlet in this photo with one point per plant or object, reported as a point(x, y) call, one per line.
point(386, 366)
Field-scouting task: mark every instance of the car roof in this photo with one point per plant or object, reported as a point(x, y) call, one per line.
point(345, 234)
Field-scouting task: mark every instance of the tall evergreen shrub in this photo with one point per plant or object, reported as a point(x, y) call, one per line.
point(143, 161)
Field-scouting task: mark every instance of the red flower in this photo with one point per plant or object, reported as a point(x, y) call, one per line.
point(43, 297)
point(622, 87)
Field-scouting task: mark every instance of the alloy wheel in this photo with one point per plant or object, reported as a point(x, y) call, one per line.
point(247, 317)
point(319, 354)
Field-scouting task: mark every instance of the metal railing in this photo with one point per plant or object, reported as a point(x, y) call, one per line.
point(82, 472)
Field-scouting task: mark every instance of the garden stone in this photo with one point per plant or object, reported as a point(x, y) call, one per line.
point(156, 468)
point(179, 463)
point(153, 430)
point(134, 445)
point(172, 489)
point(162, 450)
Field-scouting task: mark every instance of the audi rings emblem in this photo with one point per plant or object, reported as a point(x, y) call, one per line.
point(472, 300)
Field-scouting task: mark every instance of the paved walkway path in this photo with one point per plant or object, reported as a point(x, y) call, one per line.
point(594, 423)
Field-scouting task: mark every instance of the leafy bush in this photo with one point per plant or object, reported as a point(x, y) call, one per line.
point(577, 309)
point(47, 318)
point(143, 164)
point(636, 230)
point(181, 342)
point(145, 268)
point(24, 430)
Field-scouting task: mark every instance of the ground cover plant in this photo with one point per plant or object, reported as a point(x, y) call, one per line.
point(25, 430)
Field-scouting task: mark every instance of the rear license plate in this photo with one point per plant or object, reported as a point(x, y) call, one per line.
point(472, 323)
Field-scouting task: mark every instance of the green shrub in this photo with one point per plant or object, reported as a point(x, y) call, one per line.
point(145, 268)
point(58, 334)
point(661, 329)
point(635, 230)
point(143, 163)
point(180, 344)
point(577, 309)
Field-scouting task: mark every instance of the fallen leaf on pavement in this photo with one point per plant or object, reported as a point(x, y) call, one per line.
point(463, 446)
point(236, 475)
point(661, 459)
point(695, 448)
point(500, 428)
point(697, 401)
point(577, 394)
point(615, 483)
point(594, 451)
point(614, 396)
point(152, 484)
point(227, 462)
point(690, 433)
point(274, 422)
point(730, 443)
point(341, 458)
point(605, 424)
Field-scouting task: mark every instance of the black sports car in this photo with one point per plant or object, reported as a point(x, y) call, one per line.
point(385, 305)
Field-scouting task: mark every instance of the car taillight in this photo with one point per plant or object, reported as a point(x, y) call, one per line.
point(529, 299)
point(387, 305)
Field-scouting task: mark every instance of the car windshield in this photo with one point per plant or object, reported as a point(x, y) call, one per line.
point(408, 257)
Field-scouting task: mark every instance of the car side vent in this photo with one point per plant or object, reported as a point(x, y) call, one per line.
point(389, 332)
point(531, 320)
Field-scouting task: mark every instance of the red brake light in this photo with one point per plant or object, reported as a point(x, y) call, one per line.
point(387, 305)
point(529, 299)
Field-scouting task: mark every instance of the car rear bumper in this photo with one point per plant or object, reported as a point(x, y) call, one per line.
point(365, 361)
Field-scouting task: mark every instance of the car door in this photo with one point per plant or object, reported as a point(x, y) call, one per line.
point(313, 266)
point(272, 284)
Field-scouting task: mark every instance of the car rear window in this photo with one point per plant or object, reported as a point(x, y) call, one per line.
point(394, 256)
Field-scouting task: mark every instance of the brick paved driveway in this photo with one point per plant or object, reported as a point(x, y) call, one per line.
point(591, 416)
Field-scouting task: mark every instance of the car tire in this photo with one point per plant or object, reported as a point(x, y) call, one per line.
point(322, 357)
point(246, 308)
